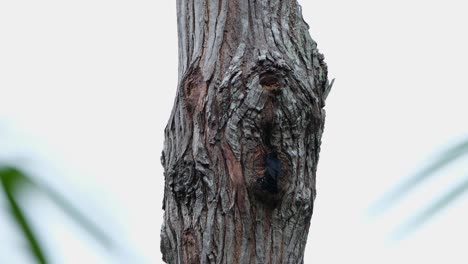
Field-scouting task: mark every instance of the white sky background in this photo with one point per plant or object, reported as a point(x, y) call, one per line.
point(86, 89)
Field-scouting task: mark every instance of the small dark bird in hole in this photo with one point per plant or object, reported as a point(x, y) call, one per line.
point(269, 181)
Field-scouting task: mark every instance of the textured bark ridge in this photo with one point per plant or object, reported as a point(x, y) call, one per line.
point(243, 140)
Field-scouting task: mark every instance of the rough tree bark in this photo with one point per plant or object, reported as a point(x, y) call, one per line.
point(243, 140)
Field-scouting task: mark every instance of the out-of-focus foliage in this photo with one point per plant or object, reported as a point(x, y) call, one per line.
point(443, 160)
point(12, 182)
point(16, 183)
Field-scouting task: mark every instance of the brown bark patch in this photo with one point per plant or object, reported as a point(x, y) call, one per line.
point(236, 175)
point(258, 162)
point(234, 167)
point(195, 90)
point(191, 254)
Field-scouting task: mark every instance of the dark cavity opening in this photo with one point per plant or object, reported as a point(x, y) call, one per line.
point(269, 181)
point(269, 79)
point(267, 134)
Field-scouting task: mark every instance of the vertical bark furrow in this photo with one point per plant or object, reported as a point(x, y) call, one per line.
point(243, 139)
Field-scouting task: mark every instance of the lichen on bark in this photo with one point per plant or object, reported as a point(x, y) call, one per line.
point(251, 83)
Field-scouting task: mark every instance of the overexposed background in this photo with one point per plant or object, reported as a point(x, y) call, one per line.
point(86, 89)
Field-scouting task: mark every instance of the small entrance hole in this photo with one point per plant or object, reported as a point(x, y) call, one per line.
point(270, 82)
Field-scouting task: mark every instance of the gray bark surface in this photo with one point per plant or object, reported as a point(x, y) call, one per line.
point(251, 83)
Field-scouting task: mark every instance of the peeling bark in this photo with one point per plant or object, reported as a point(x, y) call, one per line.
point(243, 140)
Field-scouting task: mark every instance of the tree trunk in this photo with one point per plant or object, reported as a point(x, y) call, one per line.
point(243, 140)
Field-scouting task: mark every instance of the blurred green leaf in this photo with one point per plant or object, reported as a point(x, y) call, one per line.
point(12, 181)
point(445, 159)
point(432, 210)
